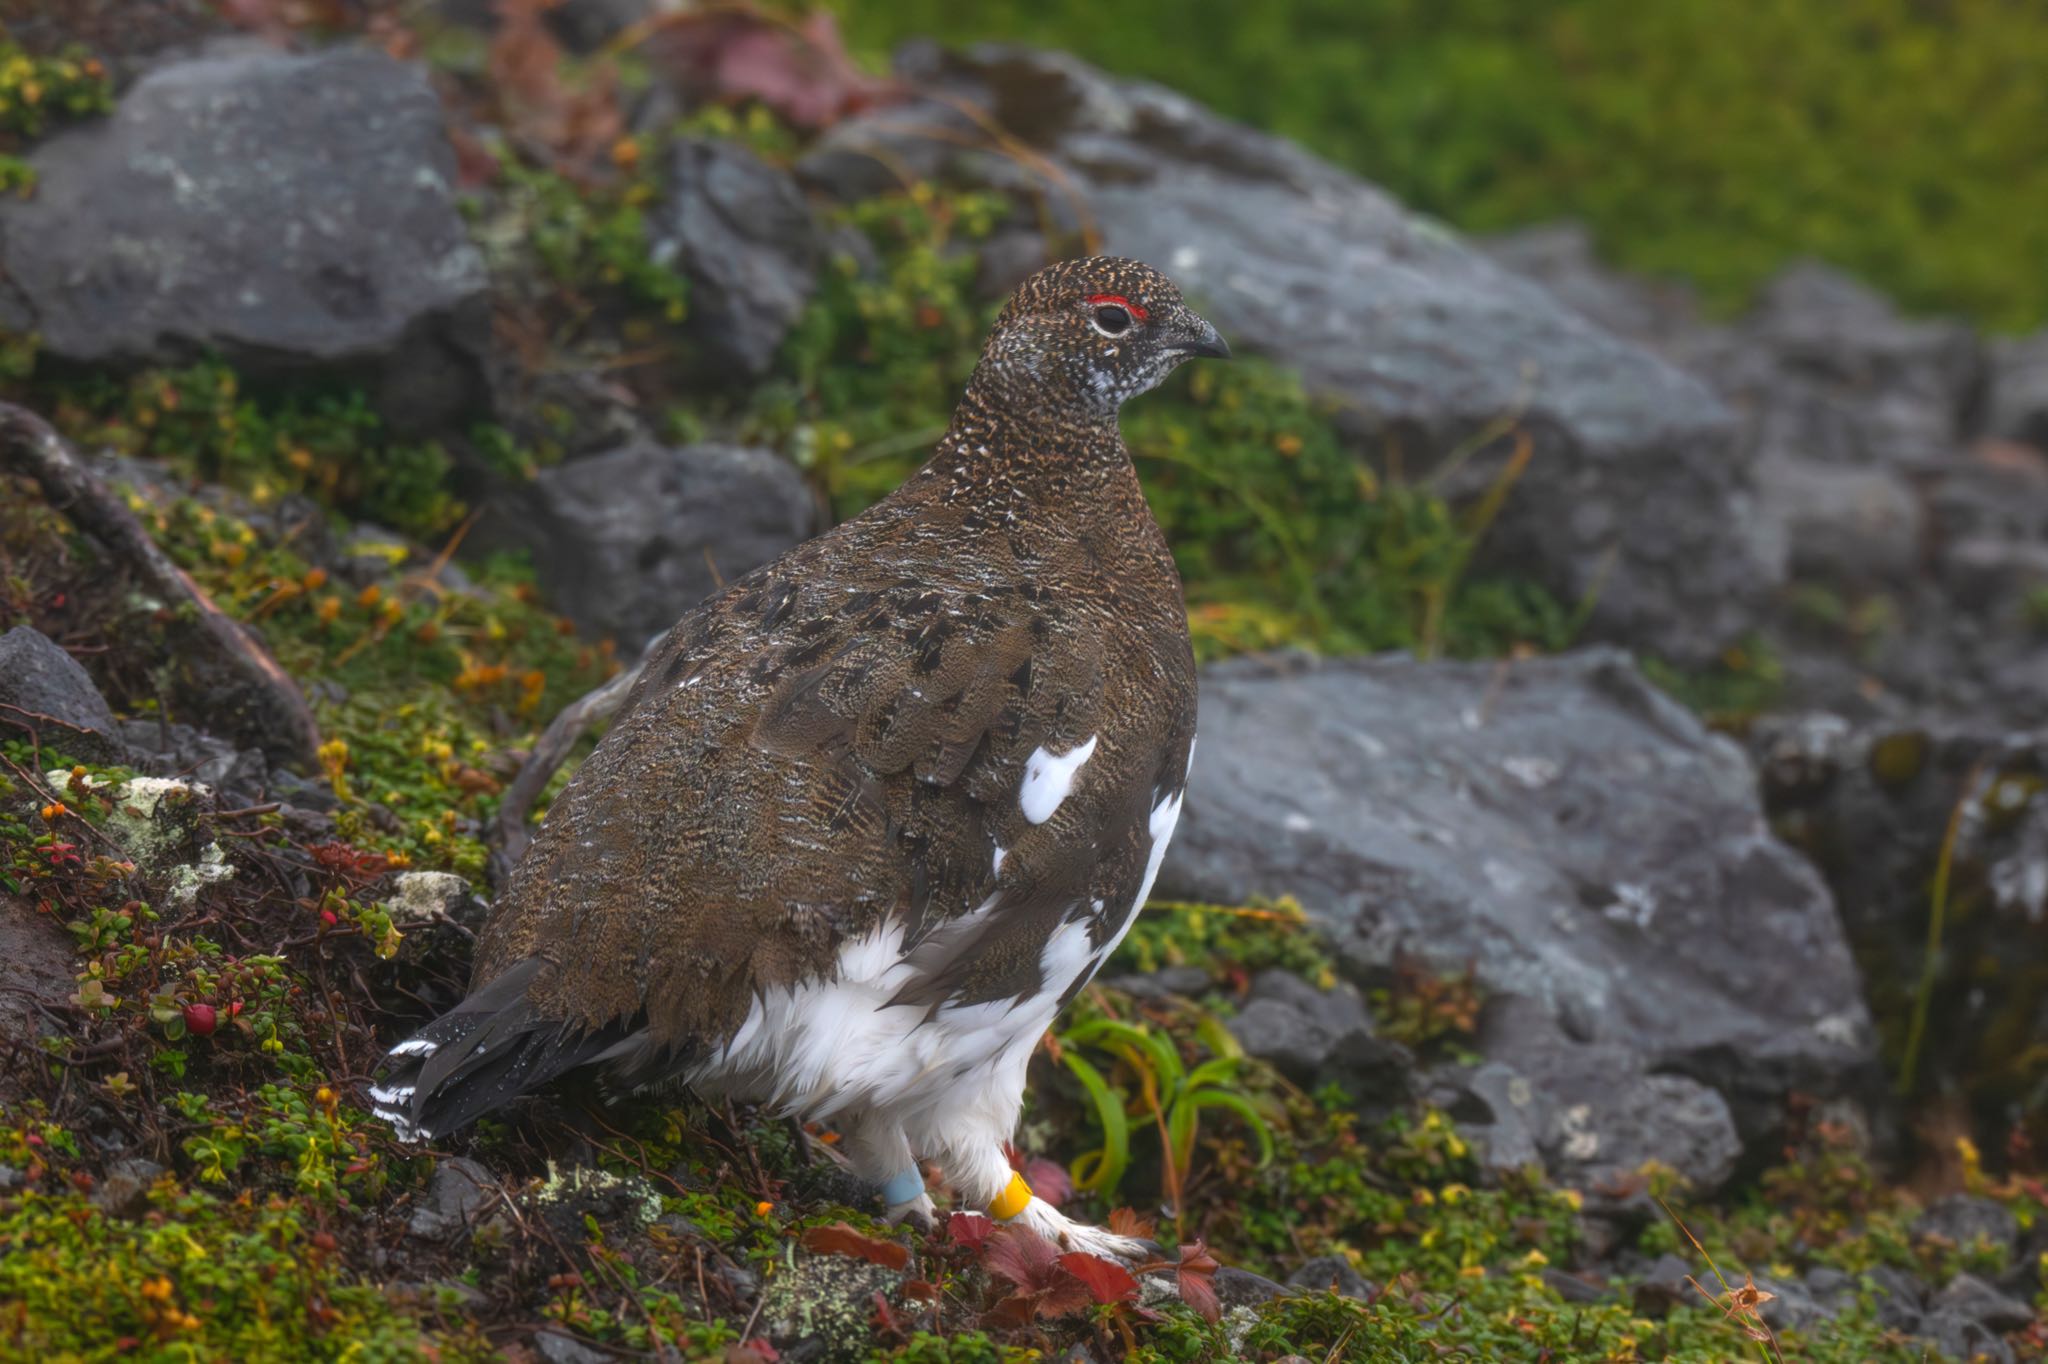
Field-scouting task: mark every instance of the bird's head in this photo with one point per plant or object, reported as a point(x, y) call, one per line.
point(1081, 337)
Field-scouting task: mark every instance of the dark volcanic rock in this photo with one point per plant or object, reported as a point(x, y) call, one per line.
point(1968, 1223)
point(1871, 806)
point(1917, 544)
point(1559, 824)
point(1330, 1274)
point(1591, 1112)
point(2019, 390)
point(1317, 1037)
point(291, 213)
point(1970, 1297)
point(627, 541)
point(38, 966)
point(740, 231)
point(455, 1198)
point(1421, 340)
point(45, 691)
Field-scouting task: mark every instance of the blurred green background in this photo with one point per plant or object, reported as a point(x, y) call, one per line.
point(1903, 140)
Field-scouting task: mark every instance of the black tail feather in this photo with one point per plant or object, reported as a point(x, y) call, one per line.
point(482, 1054)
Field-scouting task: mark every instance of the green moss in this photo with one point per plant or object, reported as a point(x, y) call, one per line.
point(196, 1277)
point(318, 440)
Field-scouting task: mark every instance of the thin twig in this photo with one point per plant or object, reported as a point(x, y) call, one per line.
point(552, 750)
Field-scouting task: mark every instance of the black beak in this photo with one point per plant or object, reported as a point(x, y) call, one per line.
point(1204, 342)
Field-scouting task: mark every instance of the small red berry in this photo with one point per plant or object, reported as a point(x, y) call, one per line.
point(200, 1018)
point(327, 917)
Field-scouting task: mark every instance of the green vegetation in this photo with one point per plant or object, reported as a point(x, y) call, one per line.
point(38, 93)
point(1905, 142)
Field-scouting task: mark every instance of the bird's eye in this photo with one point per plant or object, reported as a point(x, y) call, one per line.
point(1112, 320)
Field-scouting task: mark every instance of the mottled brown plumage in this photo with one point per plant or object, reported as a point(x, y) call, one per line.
point(836, 744)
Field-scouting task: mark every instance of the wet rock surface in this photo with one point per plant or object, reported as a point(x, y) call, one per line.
point(1558, 824)
point(743, 235)
point(627, 541)
point(44, 692)
point(293, 214)
point(1900, 480)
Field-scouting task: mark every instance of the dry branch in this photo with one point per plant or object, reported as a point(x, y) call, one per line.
point(258, 700)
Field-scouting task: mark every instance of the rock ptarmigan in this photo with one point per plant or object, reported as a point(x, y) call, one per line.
point(875, 812)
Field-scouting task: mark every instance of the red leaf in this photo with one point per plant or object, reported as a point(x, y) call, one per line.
point(802, 71)
point(1194, 1276)
point(1022, 1256)
point(922, 1290)
point(1067, 1296)
point(1107, 1280)
point(840, 1239)
point(969, 1229)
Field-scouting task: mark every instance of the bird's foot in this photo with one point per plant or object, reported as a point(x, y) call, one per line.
point(917, 1211)
point(1070, 1235)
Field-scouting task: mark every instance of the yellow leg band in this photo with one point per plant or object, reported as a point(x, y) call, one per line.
point(1012, 1200)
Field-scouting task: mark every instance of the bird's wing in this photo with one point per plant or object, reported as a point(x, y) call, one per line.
point(804, 760)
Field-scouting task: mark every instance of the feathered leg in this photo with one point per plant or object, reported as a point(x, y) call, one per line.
point(880, 1153)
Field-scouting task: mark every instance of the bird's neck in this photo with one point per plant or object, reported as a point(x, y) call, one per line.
point(1043, 452)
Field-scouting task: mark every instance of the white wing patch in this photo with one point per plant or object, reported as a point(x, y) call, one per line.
point(1048, 777)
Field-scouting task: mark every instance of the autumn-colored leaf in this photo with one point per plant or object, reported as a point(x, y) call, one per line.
point(1106, 1280)
point(969, 1229)
point(841, 1239)
point(1126, 1222)
point(921, 1290)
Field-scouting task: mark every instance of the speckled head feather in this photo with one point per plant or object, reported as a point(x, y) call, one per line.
point(875, 812)
point(1085, 336)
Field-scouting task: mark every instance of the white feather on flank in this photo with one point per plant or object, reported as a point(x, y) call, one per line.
point(836, 1045)
point(416, 1046)
point(1048, 777)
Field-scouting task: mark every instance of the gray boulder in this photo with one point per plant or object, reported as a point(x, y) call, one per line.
point(44, 690)
point(2018, 404)
point(292, 213)
point(1575, 836)
point(1967, 1223)
point(1637, 488)
point(1317, 1037)
point(742, 235)
point(625, 542)
point(1969, 1296)
point(1331, 1274)
point(1589, 1112)
point(456, 1196)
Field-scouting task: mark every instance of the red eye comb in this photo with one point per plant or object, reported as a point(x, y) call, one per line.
point(1098, 300)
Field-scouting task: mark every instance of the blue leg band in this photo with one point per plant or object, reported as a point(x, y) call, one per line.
point(903, 1187)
